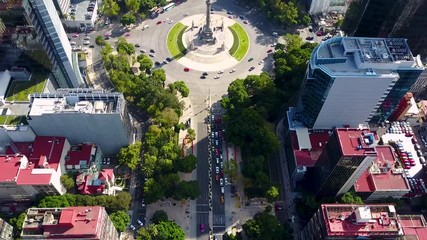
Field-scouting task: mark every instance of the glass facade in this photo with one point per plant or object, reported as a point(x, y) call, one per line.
point(333, 169)
point(407, 78)
point(316, 89)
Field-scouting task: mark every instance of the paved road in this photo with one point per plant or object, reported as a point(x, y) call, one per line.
point(202, 209)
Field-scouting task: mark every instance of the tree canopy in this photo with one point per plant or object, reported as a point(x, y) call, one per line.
point(68, 182)
point(130, 156)
point(124, 47)
point(186, 164)
point(351, 198)
point(180, 87)
point(266, 226)
point(186, 190)
point(120, 220)
point(164, 230)
point(128, 18)
point(100, 41)
point(159, 216)
point(110, 8)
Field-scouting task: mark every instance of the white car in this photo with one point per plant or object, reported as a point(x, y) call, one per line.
point(87, 38)
point(132, 227)
point(216, 77)
point(86, 42)
point(142, 50)
point(220, 72)
point(73, 43)
point(232, 70)
point(217, 170)
point(221, 182)
point(152, 55)
point(222, 190)
point(140, 223)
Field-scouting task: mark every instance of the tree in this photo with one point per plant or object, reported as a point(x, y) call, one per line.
point(100, 41)
point(164, 230)
point(145, 63)
point(133, 5)
point(128, 19)
point(68, 182)
point(110, 8)
point(167, 117)
point(292, 41)
point(130, 155)
point(185, 190)
point(159, 216)
point(186, 164)
point(124, 47)
point(17, 222)
point(180, 87)
point(305, 20)
point(120, 220)
point(272, 194)
point(265, 226)
point(106, 50)
point(191, 134)
point(230, 169)
point(158, 76)
point(351, 198)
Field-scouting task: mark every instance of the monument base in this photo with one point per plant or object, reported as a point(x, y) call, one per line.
point(207, 36)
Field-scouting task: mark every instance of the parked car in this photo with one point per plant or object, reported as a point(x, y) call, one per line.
point(140, 223)
point(132, 227)
point(252, 68)
point(202, 227)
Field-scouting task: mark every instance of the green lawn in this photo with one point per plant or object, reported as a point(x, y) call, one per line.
point(19, 90)
point(12, 120)
point(175, 45)
point(240, 42)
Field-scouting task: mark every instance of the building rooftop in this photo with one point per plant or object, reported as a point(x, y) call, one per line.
point(70, 222)
point(360, 220)
point(32, 163)
point(356, 142)
point(94, 182)
point(383, 175)
point(364, 56)
point(306, 157)
point(413, 225)
point(80, 154)
point(76, 101)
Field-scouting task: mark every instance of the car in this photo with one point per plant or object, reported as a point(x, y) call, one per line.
point(205, 74)
point(241, 17)
point(73, 43)
point(216, 134)
point(232, 70)
point(127, 34)
point(217, 170)
point(229, 12)
point(220, 72)
point(140, 223)
point(169, 59)
point(203, 77)
point(142, 50)
point(260, 62)
point(143, 203)
point(170, 21)
point(216, 142)
point(132, 227)
point(213, 135)
point(108, 160)
point(157, 63)
point(152, 55)
point(217, 160)
point(186, 69)
point(107, 21)
point(269, 50)
point(137, 45)
point(216, 77)
point(320, 33)
point(216, 152)
point(222, 190)
point(75, 35)
point(165, 61)
point(252, 68)
point(245, 22)
point(107, 34)
point(230, 17)
point(152, 51)
point(221, 182)
point(309, 38)
point(159, 22)
point(87, 38)
point(185, 14)
point(222, 165)
point(275, 34)
point(91, 46)
point(202, 227)
point(86, 42)
point(217, 177)
point(250, 59)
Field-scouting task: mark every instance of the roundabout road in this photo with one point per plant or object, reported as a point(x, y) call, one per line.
point(258, 30)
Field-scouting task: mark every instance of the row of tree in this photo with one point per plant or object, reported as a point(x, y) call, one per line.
point(286, 13)
point(161, 152)
point(266, 226)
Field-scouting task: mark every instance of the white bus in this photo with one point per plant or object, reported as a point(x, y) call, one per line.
point(169, 7)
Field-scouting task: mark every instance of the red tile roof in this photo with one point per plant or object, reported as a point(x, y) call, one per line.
point(79, 153)
point(44, 156)
point(354, 142)
point(74, 222)
point(371, 182)
point(318, 142)
point(9, 167)
point(94, 183)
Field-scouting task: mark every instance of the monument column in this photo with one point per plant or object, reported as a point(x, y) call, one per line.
point(207, 34)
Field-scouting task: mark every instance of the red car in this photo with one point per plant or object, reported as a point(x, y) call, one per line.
point(269, 50)
point(159, 22)
point(127, 34)
point(75, 35)
point(186, 69)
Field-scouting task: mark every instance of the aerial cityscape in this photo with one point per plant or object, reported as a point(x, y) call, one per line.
point(213, 119)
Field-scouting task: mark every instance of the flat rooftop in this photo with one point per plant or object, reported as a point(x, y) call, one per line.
point(413, 225)
point(56, 223)
point(76, 101)
point(356, 142)
point(364, 56)
point(78, 153)
point(81, 7)
point(305, 157)
point(383, 175)
point(360, 220)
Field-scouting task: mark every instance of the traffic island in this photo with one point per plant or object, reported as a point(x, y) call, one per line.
point(240, 42)
point(175, 46)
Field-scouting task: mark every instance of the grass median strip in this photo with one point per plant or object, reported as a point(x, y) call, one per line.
point(175, 45)
point(240, 42)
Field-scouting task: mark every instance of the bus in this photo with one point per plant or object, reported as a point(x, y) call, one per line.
point(169, 7)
